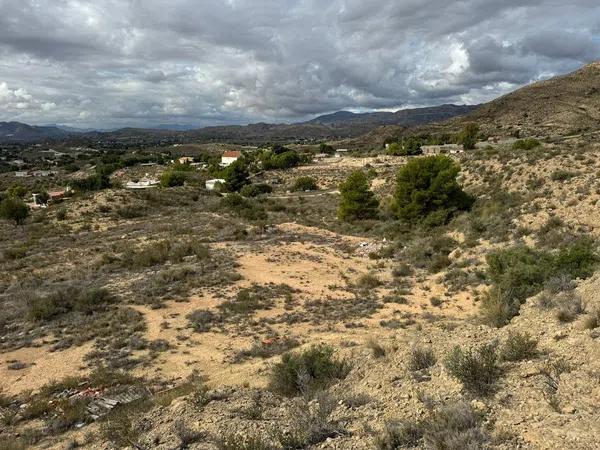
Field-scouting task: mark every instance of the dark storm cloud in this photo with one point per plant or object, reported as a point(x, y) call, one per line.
point(141, 62)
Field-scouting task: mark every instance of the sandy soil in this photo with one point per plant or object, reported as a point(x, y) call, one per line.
point(42, 367)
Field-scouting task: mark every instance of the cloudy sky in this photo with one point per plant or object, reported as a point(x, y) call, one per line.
point(109, 63)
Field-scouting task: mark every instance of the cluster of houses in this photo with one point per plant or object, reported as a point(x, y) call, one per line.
point(228, 158)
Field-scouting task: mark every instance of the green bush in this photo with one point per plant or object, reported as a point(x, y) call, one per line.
point(12, 208)
point(246, 302)
point(16, 190)
point(243, 207)
point(421, 358)
point(202, 320)
point(518, 347)
point(520, 272)
point(326, 148)
point(477, 370)
point(526, 144)
point(68, 299)
point(562, 175)
point(455, 426)
point(172, 178)
point(399, 434)
point(368, 281)
point(305, 184)
point(357, 201)
point(307, 372)
point(427, 188)
point(254, 190)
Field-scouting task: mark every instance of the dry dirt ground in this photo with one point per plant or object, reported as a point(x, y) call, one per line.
point(321, 266)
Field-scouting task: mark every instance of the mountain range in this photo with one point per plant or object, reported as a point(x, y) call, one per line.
point(342, 124)
point(562, 105)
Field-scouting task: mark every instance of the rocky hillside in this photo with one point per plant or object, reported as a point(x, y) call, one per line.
point(560, 106)
point(568, 104)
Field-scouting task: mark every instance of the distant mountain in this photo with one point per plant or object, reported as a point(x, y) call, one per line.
point(339, 125)
point(20, 132)
point(403, 117)
point(175, 127)
point(72, 129)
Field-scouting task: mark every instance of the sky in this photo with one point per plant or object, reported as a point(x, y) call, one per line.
point(113, 63)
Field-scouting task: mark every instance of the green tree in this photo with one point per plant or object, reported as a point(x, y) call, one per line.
point(237, 175)
point(410, 146)
point(17, 191)
point(305, 184)
point(357, 201)
point(15, 209)
point(95, 182)
point(326, 148)
point(172, 178)
point(427, 189)
point(468, 136)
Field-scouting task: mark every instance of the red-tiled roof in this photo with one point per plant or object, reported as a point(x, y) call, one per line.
point(232, 154)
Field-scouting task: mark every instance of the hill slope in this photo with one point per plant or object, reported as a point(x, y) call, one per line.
point(561, 105)
point(21, 132)
point(403, 117)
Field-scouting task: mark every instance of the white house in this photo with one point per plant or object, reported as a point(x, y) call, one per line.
point(144, 183)
point(341, 152)
point(212, 184)
point(229, 157)
point(444, 148)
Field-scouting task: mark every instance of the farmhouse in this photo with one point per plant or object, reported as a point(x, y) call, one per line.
point(229, 157)
point(55, 196)
point(185, 160)
point(441, 149)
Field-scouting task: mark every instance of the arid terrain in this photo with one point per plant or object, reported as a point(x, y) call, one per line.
point(195, 300)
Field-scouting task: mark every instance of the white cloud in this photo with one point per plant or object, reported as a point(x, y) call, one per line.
point(130, 62)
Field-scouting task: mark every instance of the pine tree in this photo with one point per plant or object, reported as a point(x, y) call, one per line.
point(357, 201)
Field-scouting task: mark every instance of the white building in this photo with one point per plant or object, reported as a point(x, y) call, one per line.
point(144, 183)
point(212, 184)
point(440, 149)
point(229, 157)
